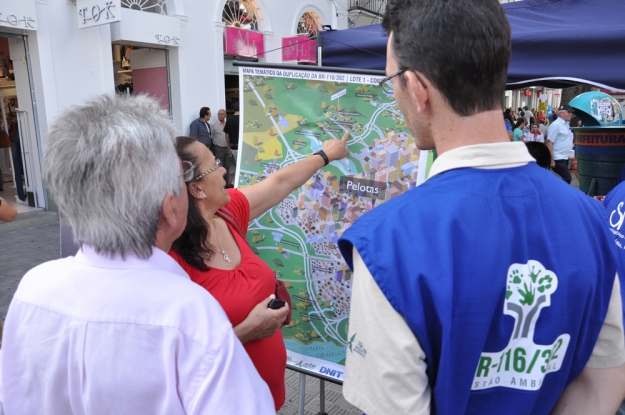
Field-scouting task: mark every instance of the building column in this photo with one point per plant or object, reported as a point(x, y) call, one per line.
point(220, 28)
point(275, 56)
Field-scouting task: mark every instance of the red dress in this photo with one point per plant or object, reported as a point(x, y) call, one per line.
point(239, 291)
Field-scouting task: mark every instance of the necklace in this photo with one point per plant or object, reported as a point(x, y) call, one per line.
point(223, 253)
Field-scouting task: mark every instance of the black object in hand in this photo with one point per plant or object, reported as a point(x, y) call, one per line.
point(276, 304)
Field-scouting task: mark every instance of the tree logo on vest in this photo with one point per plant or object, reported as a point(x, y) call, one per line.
point(523, 364)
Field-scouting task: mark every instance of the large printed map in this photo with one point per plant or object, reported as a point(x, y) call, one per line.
point(286, 116)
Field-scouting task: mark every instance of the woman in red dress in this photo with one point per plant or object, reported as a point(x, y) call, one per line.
point(218, 258)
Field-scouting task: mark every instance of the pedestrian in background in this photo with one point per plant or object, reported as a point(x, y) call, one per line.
point(220, 144)
point(518, 129)
point(534, 135)
point(560, 142)
point(542, 128)
point(200, 127)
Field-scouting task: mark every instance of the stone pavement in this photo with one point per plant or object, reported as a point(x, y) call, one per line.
point(26, 248)
point(22, 250)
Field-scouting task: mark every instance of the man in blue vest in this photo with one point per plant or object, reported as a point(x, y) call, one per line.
point(491, 288)
point(614, 204)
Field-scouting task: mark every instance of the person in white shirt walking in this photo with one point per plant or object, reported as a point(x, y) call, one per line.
point(560, 142)
point(543, 128)
point(120, 328)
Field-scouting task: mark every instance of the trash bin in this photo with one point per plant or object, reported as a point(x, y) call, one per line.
point(600, 154)
point(600, 144)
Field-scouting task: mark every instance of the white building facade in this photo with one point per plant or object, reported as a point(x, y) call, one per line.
point(60, 53)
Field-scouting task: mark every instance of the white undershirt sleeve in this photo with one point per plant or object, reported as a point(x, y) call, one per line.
point(609, 350)
point(385, 365)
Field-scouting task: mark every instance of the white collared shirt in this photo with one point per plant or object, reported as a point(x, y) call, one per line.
point(559, 134)
point(93, 335)
point(395, 381)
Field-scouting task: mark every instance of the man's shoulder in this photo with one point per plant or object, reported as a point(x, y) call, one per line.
point(147, 295)
point(615, 197)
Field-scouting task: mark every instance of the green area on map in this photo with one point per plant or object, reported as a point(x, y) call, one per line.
point(286, 120)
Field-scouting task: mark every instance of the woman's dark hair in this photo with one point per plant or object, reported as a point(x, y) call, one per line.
point(574, 121)
point(193, 244)
point(519, 122)
point(540, 152)
point(507, 115)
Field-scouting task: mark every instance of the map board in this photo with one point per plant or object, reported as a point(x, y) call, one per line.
point(286, 115)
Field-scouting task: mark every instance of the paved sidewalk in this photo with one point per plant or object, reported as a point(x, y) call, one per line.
point(24, 249)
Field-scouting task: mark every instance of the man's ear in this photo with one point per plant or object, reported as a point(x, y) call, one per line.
point(418, 92)
point(168, 212)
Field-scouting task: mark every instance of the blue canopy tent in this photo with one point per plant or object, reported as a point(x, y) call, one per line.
point(555, 43)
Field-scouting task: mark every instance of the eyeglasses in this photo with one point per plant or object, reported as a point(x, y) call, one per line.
point(387, 85)
point(212, 169)
point(187, 168)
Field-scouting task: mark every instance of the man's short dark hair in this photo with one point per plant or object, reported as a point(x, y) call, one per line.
point(204, 112)
point(461, 46)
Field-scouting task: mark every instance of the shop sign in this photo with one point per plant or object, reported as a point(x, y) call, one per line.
point(141, 28)
point(97, 12)
point(241, 42)
point(298, 48)
point(19, 14)
point(527, 92)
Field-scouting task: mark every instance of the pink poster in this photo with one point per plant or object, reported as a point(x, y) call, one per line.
point(298, 48)
point(241, 42)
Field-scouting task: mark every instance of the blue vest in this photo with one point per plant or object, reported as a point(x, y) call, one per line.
point(503, 275)
point(614, 204)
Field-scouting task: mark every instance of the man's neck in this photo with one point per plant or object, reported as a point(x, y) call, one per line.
point(451, 131)
point(164, 241)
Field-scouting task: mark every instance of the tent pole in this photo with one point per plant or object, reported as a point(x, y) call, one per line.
point(319, 48)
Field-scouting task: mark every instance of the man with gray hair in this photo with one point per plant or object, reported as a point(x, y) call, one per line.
point(120, 328)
